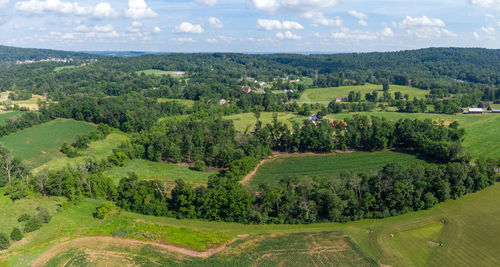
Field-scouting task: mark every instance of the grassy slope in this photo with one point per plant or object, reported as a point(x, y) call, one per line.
point(9, 115)
point(244, 120)
point(149, 170)
point(325, 95)
point(158, 72)
point(186, 102)
point(97, 150)
point(469, 233)
point(40, 144)
point(330, 166)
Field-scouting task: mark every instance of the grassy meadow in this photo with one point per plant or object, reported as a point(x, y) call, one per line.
point(244, 120)
point(159, 72)
point(5, 115)
point(40, 144)
point(97, 150)
point(159, 171)
point(325, 95)
point(327, 165)
point(186, 102)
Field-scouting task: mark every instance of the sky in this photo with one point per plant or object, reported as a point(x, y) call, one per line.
point(260, 26)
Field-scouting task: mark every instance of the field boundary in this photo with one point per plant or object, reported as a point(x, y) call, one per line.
point(172, 247)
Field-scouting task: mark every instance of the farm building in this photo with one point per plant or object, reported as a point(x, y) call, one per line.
point(474, 111)
point(313, 117)
point(340, 99)
point(484, 105)
point(246, 89)
point(495, 111)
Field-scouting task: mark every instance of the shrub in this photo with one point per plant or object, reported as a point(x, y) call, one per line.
point(4, 241)
point(33, 224)
point(102, 211)
point(24, 217)
point(43, 215)
point(16, 234)
point(199, 165)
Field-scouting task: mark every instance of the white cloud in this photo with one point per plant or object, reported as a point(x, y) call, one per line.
point(211, 40)
point(182, 40)
point(485, 33)
point(206, 2)
point(425, 27)
point(268, 25)
point(104, 28)
point(3, 3)
point(82, 28)
point(485, 3)
point(157, 29)
point(320, 18)
point(187, 27)
point(271, 6)
point(387, 32)
point(345, 33)
point(288, 35)
point(362, 17)
point(55, 6)
point(104, 10)
point(138, 9)
point(137, 24)
point(215, 22)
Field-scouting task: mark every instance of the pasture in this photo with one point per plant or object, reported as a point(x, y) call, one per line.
point(186, 102)
point(40, 144)
point(466, 228)
point(247, 120)
point(328, 166)
point(326, 95)
point(159, 171)
point(63, 68)
point(5, 115)
point(156, 72)
point(97, 150)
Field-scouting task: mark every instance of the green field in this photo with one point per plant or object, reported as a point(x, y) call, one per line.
point(159, 72)
point(244, 120)
point(40, 144)
point(5, 115)
point(186, 102)
point(154, 170)
point(467, 228)
point(97, 150)
point(327, 166)
point(325, 95)
point(481, 138)
point(62, 68)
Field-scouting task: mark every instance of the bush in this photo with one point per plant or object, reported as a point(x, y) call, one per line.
point(33, 224)
point(199, 165)
point(4, 241)
point(16, 234)
point(102, 211)
point(43, 215)
point(24, 217)
point(119, 233)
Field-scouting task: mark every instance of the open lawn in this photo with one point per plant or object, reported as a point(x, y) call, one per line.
point(5, 115)
point(325, 95)
point(186, 102)
point(482, 136)
point(97, 150)
point(160, 72)
point(40, 144)
point(244, 120)
point(467, 228)
point(161, 171)
point(327, 165)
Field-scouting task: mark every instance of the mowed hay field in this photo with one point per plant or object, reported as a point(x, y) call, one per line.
point(482, 136)
point(97, 150)
point(247, 120)
point(40, 144)
point(467, 228)
point(328, 166)
point(325, 95)
point(158, 171)
point(5, 115)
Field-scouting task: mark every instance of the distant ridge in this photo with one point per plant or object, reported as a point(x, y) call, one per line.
point(13, 54)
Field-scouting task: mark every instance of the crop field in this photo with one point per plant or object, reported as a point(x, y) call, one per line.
point(5, 115)
point(97, 150)
point(326, 166)
point(159, 171)
point(325, 95)
point(481, 138)
point(40, 144)
point(159, 72)
point(466, 229)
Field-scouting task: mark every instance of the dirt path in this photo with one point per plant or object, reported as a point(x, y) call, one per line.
point(101, 242)
point(250, 175)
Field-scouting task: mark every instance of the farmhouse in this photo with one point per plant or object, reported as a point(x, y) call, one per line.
point(313, 117)
point(340, 99)
point(246, 89)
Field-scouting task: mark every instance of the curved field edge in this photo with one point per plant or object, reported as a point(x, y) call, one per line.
point(466, 228)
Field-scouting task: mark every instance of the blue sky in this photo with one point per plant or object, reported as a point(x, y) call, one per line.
point(249, 25)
